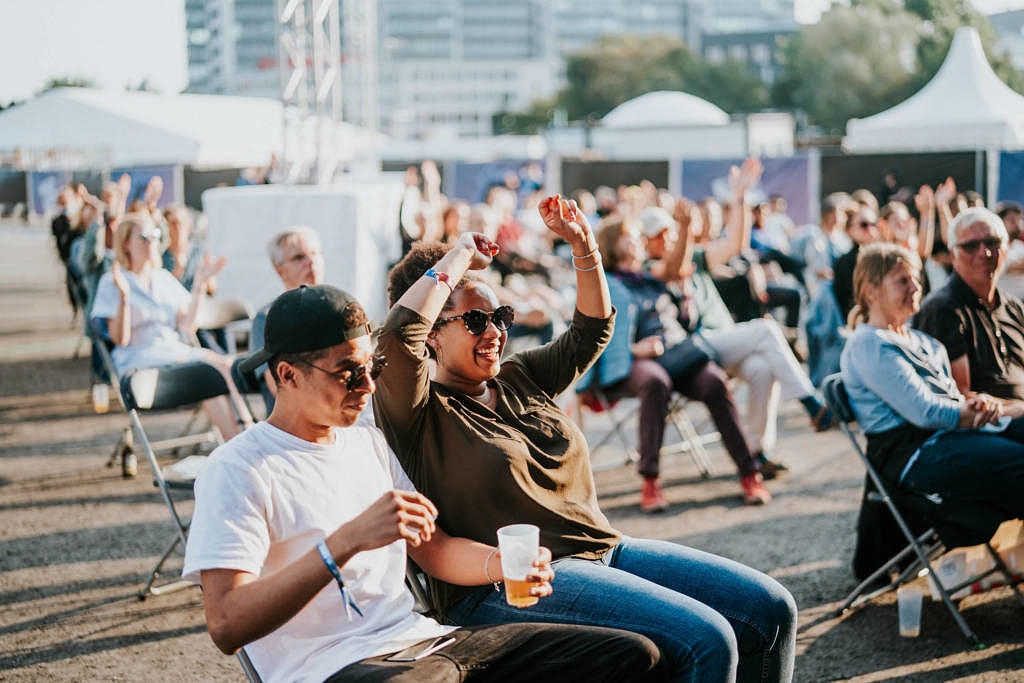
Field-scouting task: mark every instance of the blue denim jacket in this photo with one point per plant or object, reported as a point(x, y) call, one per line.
point(614, 364)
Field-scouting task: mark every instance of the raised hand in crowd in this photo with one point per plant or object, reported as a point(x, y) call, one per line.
point(924, 200)
point(566, 220)
point(120, 281)
point(944, 194)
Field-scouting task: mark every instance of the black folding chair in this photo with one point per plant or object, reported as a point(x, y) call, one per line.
point(171, 388)
point(920, 550)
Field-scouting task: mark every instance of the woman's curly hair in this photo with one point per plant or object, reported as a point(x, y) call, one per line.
point(421, 257)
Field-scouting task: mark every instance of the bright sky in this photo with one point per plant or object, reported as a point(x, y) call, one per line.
point(120, 42)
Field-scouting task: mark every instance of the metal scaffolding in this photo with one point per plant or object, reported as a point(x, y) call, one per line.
point(309, 55)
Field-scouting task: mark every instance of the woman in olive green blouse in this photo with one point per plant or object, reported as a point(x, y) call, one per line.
point(485, 441)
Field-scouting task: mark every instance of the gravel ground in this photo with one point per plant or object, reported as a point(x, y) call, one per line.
point(77, 540)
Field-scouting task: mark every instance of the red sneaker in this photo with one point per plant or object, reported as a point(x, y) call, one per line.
point(651, 498)
point(754, 492)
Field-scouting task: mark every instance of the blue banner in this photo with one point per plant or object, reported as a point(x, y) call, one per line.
point(472, 180)
point(172, 194)
point(1011, 177)
point(43, 188)
point(786, 176)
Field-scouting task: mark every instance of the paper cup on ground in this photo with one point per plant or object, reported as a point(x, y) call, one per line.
point(519, 544)
point(909, 599)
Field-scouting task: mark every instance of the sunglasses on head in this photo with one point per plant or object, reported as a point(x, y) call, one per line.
point(972, 246)
point(353, 377)
point(150, 235)
point(476, 320)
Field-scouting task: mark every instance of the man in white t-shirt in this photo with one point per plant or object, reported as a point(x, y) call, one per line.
point(301, 527)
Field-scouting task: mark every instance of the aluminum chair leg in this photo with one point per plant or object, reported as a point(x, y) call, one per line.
point(150, 589)
point(687, 432)
point(857, 597)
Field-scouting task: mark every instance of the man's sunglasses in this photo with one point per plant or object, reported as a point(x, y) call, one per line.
point(476, 320)
point(867, 224)
point(972, 246)
point(353, 377)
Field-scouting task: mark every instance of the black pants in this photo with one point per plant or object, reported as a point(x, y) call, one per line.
point(523, 652)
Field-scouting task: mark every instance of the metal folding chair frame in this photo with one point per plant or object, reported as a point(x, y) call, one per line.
point(215, 386)
point(690, 441)
point(925, 548)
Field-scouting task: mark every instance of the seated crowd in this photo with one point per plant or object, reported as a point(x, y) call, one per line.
point(632, 292)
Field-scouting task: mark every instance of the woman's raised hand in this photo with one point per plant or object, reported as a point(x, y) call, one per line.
point(120, 281)
point(210, 267)
point(565, 219)
point(481, 248)
point(745, 178)
point(924, 200)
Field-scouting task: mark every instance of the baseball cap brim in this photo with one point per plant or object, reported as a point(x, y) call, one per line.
point(255, 359)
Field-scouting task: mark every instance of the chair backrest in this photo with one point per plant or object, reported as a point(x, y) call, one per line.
point(172, 386)
point(247, 667)
point(245, 381)
point(214, 313)
point(836, 398)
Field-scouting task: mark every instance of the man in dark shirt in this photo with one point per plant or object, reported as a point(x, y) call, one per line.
point(981, 327)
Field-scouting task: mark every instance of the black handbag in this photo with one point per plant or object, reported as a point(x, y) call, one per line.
point(686, 358)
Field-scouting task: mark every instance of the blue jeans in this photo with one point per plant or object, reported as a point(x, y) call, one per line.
point(974, 466)
point(714, 619)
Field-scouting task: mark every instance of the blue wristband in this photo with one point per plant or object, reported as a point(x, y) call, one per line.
point(332, 567)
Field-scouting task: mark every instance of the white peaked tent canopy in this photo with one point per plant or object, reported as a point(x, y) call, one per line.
point(140, 128)
point(964, 107)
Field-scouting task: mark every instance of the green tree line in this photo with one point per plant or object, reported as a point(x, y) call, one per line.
point(856, 61)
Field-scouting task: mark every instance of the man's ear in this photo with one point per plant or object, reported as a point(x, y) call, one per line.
point(432, 340)
point(286, 374)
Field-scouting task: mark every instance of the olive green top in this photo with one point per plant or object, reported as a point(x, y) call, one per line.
point(525, 461)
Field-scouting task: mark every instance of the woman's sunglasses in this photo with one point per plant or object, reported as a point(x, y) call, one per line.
point(476, 320)
point(148, 236)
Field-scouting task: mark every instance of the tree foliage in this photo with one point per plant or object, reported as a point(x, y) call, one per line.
point(856, 61)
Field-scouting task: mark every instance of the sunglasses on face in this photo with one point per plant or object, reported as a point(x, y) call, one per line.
point(972, 246)
point(867, 224)
point(353, 377)
point(148, 236)
point(476, 320)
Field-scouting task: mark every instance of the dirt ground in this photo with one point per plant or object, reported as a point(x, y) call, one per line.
point(76, 540)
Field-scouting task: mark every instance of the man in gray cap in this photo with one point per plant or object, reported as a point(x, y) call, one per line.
point(302, 524)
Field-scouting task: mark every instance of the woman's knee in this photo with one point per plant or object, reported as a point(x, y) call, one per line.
point(711, 650)
point(775, 613)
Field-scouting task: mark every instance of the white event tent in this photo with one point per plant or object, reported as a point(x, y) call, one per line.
point(141, 128)
point(964, 107)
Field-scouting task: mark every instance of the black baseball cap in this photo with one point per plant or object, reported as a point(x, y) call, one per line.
point(305, 319)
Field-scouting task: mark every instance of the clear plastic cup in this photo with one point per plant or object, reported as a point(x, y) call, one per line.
point(519, 544)
point(100, 398)
point(909, 599)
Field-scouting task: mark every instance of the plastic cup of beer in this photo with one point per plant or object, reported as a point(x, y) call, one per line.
point(909, 599)
point(100, 398)
point(519, 544)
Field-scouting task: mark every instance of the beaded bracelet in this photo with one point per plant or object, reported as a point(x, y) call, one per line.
point(440, 278)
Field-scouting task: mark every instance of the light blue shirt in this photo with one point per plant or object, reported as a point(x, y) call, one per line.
point(892, 379)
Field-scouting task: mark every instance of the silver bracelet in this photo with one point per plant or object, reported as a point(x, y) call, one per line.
point(487, 571)
point(589, 253)
point(597, 264)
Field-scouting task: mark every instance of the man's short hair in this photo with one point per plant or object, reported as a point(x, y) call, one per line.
point(274, 247)
point(1008, 207)
point(836, 200)
point(977, 214)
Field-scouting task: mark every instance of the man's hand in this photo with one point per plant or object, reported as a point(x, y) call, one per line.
point(396, 514)
point(987, 409)
point(648, 347)
point(924, 200)
point(745, 178)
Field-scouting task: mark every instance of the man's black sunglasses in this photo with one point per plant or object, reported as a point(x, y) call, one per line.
point(476, 320)
point(971, 246)
point(353, 377)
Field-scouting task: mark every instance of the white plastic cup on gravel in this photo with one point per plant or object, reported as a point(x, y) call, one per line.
point(100, 397)
point(519, 544)
point(909, 599)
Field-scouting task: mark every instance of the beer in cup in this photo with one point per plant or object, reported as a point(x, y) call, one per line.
point(519, 544)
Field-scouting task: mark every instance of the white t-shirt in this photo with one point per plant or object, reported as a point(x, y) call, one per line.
point(268, 497)
point(154, 339)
